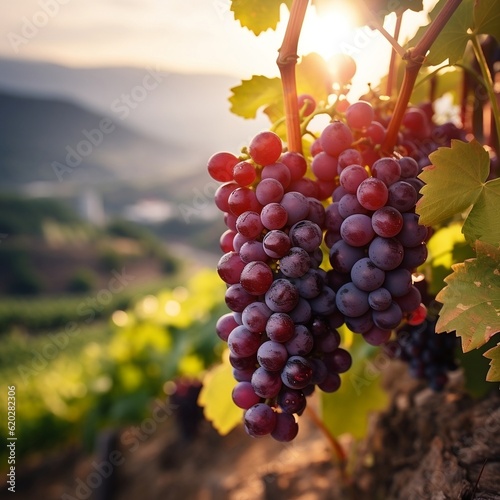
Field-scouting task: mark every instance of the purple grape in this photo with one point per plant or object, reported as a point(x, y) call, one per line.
point(351, 301)
point(296, 263)
point(388, 318)
point(244, 396)
point(387, 222)
point(379, 299)
point(272, 355)
point(276, 244)
point(296, 205)
point(344, 256)
point(230, 267)
point(301, 343)
point(259, 420)
point(402, 196)
point(266, 384)
point(291, 400)
point(286, 428)
point(249, 224)
point(247, 363)
point(338, 361)
point(237, 298)
point(282, 296)
point(256, 278)
point(273, 216)
point(301, 313)
point(280, 327)
point(297, 372)
point(324, 303)
point(386, 253)
point(242, 342)
point(306, 234)
point(366, 275)
point(225, 325)
point(254, 316)
point(331, 383)
point(377, 336)
point(388, 170)
point(335, 138)
point(310, 284)
point(412, 233)
point(398, 282)
point(349, 205)
point(357, 230)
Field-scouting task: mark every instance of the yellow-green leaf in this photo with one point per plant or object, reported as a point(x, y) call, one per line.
point(215, 397)
point(487, 17)
point(454, 181)
point(494, 371)
point(471, 299)
point(483, 222)
point(258, 15)
point(256, 93)
point(348, 409)
point(451, 42)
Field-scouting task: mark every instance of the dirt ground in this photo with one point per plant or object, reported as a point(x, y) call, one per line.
point(425, 445)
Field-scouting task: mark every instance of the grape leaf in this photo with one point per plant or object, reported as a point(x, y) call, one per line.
point(483, 222)
point(359, 394)
point(487, 18)
point(215, 397)
point(454, 181)
point(261, 92)
point(451, 42)
point(494, 372)
point(256, 93)
point(258, 15)
point(471, 299)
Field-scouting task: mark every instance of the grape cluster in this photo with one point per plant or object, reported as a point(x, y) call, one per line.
point(373, 233)
point(281, 332)
point(430, 356)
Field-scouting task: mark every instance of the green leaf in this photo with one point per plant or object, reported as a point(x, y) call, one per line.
point(451, 42)
point(471, 299)
point(483, 222)
point(487, 18)
point(454, 181)
point(348, 409)
point(494, 372)
point(256, 93)
point(215, 397)
point(261, 92)
point(258, 15)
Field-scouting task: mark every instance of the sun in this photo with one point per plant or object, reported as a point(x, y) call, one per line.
point(326, 32)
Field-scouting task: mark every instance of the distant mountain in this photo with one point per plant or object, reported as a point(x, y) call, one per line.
point(190, 111)
point(56, 141)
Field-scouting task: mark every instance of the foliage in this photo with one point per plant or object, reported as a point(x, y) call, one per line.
point(75, 381)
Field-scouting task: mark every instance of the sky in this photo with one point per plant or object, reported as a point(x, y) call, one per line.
point(188, 36)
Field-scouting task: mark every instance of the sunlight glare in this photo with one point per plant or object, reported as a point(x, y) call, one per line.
point(325, 32)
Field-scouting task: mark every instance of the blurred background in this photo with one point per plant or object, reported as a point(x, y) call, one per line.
point(108, 233)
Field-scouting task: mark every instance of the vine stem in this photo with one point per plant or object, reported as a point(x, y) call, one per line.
point(337, 447)
point(415, 57)
point(488, 82)
point(287, 60)
point(391, 77)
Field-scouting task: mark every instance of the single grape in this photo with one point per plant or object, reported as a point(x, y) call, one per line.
point(297, 372)
point(225, 325)
point(269, 191)
point(296, 205)
point(255, 315)
point(351, 177)
point(296, 164)
point(372, 193)
point(387, 222)
point(379, 299)
point(306, 234)
point(366, 275)
point(291, 400)
point(280, 327)
point(249, 224)
point(265, 148)
point(244, 173)
point(220, 166)
point(266, 384)
point(244, 396)
point(296, 263)
point(256, 278)
point(338, 361)
point(282, 296)
point(243, 342)
point(386, 253)
point(335, 138)
point(272, 355)
point(278, 171)
point(276, 243)
point(243, 199)
point(230, 267)
point(259, 420)
point(301, 343)
point(286, 428)
point(351, 301)
point(388, 170)
point(343, 256)
point(359, 114)
point(273, 216)
point(357, 230)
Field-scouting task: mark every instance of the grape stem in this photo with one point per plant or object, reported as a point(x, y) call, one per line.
point(415, 57)
point(488, 82)
point(337, 447)
point(378, 25)
point(391, 76)
point(287, 60)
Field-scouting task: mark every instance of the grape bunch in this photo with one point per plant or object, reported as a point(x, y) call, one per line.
point(372, 231)
point(430, 356)
point(281, 332)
